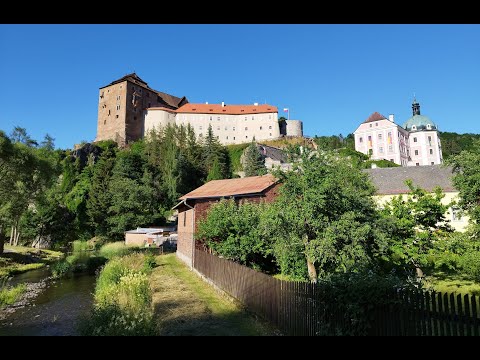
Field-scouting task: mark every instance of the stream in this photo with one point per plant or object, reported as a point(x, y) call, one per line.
point(55, 311)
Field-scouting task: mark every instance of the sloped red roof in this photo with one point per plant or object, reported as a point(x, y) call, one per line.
point(227, 109)
point(375, 117)
point(232, 187)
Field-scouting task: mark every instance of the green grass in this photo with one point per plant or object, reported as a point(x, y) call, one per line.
point(24, 259)
point(186, 305)
point(452, 283)
point(118, 248)
point(10, 295)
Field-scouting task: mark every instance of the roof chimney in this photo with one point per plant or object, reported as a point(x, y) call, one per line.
point(256, 104)
point(223, 104)
point(390, 117)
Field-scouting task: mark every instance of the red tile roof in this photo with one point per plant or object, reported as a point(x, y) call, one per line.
point(227, 109)
point(375, 117)
point(232, 187)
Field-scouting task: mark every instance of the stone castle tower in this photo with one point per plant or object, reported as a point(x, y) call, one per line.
point(121, 108)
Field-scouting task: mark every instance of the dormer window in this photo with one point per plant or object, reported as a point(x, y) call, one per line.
point(414, 127)
point(429, 127)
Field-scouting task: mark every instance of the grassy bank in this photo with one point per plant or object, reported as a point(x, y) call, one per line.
point(19, 259)
point(452, 283)
point(123, 299)
point(10, 295)
point(186, 305)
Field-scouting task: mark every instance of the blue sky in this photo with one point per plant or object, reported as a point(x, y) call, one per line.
point(330, 76)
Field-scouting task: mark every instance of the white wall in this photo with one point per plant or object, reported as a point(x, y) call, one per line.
point(157, 118)
point(419, 142)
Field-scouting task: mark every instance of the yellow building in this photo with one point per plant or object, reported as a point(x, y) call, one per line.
point(390, 182)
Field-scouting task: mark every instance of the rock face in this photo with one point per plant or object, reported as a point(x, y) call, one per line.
point(87, 151)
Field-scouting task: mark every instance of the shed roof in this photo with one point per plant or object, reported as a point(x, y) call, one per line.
point(232, 187)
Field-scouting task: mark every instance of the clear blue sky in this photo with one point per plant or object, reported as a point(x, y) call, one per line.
point(330, 76)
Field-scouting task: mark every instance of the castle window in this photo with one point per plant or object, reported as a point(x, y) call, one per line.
point(416, 152)
point(120, 86)
point(227, 137)
point(360, 140)
point(414, 139)
point(134, 118)
point(210, 118)
point(245, 118)
point(140, 90)
point(260, 128)
point(200, 135)
point(379, 136)
point(269, 116)
point(431, 151)
point(226, 127)
point(390, 148)
point(104, 122)
point(233, 129)
point(414, 127)
point(429, 127)
point(108, 112)
point(391, 160)
point(234, 138)
point(376, 124)
point(380, 150)
point(270, 127)
point(370, 125)
point(199, 128)
point(118, 107)
point(218, 127)
point(149, 104)
point(432, 163)
point(417, 164)
point(116, 116)
point(217, 137)
point(270, 134)
point(218, 118)
point(253, 118)
point(246, 128)
point(246, 136)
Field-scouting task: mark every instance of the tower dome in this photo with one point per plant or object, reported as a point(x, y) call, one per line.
point(418, 122)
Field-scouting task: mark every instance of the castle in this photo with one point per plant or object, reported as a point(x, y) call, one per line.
point(415, 143)
point(128, 109)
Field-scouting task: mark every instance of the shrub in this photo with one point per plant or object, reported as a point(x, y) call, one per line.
point(61, 269)
point(470, 263)
point(81, 246)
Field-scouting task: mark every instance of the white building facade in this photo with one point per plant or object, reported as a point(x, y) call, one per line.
point(232, 124)
point(416, 143)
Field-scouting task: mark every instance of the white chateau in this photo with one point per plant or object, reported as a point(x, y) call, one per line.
point(231, 124)
point(415, 143)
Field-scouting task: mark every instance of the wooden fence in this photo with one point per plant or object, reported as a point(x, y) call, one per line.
point(300, 308)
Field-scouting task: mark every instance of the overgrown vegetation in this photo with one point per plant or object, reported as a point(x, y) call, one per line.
point(123, 298)
point(20, 259)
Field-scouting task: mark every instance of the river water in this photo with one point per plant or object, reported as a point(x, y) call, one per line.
point(55, 311)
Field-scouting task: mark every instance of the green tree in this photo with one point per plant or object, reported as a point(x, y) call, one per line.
point(20, 135)
point(414, 224)
point(324, 218)
point(215, 172)
point(232, 231)
point(466, 168)
point(254, 162)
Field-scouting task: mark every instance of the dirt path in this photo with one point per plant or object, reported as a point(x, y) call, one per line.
point(186, 305)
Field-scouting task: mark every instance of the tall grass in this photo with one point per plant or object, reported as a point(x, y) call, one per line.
point(10, 295)
point(123, 298)
point(118, 248)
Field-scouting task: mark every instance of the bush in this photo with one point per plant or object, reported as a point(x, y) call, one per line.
point(61, 269)
point(81, 246)
point(470, 263)
point(10, 295)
